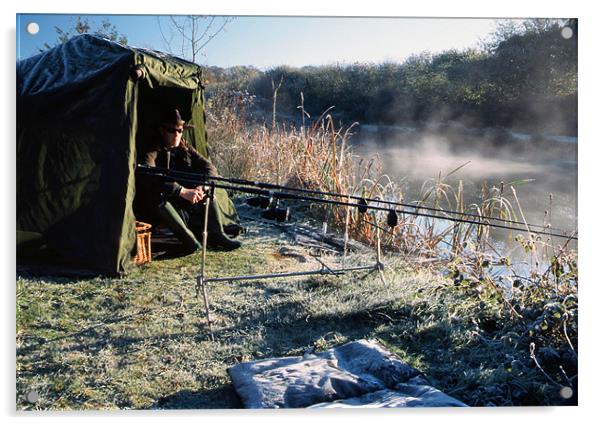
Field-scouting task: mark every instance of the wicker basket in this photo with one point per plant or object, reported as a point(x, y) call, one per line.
point(143, 243)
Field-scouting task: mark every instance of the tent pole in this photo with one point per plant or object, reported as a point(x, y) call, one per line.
point(201, 279)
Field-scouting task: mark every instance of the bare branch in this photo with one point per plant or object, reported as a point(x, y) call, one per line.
point(226, 21)
point(192, 36)
point(166, 42)
point(207, 28)
point(180, 28)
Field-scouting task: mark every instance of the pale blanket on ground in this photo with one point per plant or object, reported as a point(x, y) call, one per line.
point(357, 374)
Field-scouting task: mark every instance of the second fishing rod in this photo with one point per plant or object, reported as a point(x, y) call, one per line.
point(272, 186)
point(362, 205)
point(360, 199)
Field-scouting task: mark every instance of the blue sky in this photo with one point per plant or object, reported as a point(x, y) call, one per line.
point(265, 42)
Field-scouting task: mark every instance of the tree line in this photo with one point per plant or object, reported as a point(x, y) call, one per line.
point(524, 76)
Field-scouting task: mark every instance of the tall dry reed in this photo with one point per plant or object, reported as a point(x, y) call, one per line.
point(318, 156)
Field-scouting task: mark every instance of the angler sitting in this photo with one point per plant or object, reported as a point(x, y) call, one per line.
point(177, 205)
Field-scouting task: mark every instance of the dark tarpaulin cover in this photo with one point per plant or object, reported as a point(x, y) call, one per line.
point(78, 114)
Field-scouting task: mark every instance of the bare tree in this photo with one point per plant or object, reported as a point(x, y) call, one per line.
point(188, 35)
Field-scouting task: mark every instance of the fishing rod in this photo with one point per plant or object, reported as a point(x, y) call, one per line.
point(355, 197)
point(362, 205)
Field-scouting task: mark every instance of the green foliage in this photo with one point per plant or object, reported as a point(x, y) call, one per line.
point(524, 76)
point(82, 26)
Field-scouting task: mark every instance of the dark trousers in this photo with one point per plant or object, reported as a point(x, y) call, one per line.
point(187, 220)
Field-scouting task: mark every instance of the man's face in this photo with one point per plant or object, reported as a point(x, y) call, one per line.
point(172, 134)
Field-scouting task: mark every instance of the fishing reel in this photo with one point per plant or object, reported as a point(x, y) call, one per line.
point(271, 208)
point(276, 213)
point(262, 202)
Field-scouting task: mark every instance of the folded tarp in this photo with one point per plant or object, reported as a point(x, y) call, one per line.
point(407, 395)
point(357, 374)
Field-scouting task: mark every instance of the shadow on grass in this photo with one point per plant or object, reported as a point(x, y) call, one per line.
point(223, 397)
point(90, 331)
point(457, 354)
point(287, 329)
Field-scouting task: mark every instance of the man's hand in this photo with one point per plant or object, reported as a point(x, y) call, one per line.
point(192, 195)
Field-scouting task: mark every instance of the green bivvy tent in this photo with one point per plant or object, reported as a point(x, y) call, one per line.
point(83, 107)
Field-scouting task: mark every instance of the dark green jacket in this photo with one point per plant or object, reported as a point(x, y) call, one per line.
point(150, 191)
point(182, 158)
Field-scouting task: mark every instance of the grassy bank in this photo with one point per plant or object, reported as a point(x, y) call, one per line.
point(142, 341)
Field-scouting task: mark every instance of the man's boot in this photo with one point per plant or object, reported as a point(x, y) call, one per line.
point(170, 217)
point(215, 231)
point(220, 240)
point(233, 230)
point(216, 237)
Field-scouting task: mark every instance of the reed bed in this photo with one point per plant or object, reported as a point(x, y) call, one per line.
point(538, 295)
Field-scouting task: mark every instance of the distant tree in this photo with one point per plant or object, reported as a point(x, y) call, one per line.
point(527, 77)
point(187, 36)
point(82, 26)
point(509, 28)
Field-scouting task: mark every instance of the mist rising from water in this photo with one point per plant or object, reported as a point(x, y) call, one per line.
point(544, 165)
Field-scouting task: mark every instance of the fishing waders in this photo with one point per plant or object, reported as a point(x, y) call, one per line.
point(170, 217)
point(190, 233)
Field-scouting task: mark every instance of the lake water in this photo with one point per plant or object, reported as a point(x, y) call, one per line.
point(549, 162)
